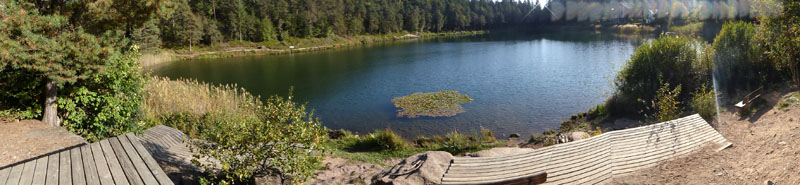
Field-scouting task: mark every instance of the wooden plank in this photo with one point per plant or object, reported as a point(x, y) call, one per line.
point(103, 173)
point(144, 172)
point(40, 171)
point(125, 162)
point(78, 175)
point(113, 163)
point(52, 169)
point(4, 174)
point(151, 163)
point(14, 175)
point(89, 165)
point(65, 169)
point(27, 172)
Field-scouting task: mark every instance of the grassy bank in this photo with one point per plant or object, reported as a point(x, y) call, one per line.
point(192, 106)
point(301, 45)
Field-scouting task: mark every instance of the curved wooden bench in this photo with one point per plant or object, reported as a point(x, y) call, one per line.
point(589, 161)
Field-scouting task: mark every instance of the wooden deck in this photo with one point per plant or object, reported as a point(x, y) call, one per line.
point(121, 160)
point(169, 145)
point(590, 161)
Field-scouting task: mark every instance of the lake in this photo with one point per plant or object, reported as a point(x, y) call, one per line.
point(520, 83)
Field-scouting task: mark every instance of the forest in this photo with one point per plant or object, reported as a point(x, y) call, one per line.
point(190, 22)
point(182, 23)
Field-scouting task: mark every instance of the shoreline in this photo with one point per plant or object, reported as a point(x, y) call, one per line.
point(149, 61)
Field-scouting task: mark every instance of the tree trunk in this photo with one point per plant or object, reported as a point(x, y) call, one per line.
point(50, 113)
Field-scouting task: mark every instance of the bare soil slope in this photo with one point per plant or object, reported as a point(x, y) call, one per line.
point(766, 147)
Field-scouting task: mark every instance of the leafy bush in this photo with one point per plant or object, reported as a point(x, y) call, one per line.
point(665, 106)
point(780, 37)
point(704, 104)
point(282, 137)
point(667, 59)
point(107, 104)
point(738, 64)
point(246, 135)
point(101, 105)
point(442, 103)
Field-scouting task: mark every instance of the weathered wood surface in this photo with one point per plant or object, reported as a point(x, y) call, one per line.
point(120, 160)
point(589, 161)
point(169, 145)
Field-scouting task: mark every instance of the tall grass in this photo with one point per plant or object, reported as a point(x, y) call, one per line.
point(178, 103)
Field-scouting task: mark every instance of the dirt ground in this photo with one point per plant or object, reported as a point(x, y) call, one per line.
point(31, 138)
point(341, 171)
point(766, 147)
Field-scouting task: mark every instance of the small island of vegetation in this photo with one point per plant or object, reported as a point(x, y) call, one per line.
point(432, 104)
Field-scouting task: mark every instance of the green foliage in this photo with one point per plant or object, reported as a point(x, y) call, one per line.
point(185, 27)
point(433, 104)
point(598, 112)
point(274, 134)
point(379, 140)
point(537, 138)
point(737, 59)
point(665, 106)
point(100, 84)
point(281, 136)
point(704, 104)
point(44, 46)
point(667, 59)
point(458, 143)
point(779, 36)
point(267, 30)
point(147, 37)
point(107, 104)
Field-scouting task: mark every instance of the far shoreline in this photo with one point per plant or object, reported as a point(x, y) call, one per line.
point(153, 60)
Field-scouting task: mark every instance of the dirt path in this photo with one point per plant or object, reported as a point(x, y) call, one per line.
point(766, 147)
point(25, 139)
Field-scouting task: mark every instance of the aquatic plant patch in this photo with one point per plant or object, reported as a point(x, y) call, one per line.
point(432, 104)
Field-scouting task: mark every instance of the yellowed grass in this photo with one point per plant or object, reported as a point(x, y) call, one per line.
point(150, 60)
point(183, 96)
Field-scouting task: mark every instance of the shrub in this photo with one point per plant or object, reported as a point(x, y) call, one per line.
point(598, 111)
point(665, 106)
point(246, 135)
point(667, 59)
point(101, 105)
point(537, 138)
point(433, 104)
point(738, 64)
point(778, 35)
point(380, 140)
point(704, 104)
point(457, 143)
point(281, 136)
point(107, 104)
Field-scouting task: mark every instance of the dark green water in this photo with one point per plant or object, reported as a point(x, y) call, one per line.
point(519, 83)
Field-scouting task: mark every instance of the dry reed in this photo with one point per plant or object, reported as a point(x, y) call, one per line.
point(187, 96)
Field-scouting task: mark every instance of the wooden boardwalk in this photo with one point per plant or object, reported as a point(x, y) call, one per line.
point(589, 161)
point(169, 145)
point(121, 160)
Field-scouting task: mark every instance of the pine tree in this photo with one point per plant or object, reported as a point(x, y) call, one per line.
point(48, 47)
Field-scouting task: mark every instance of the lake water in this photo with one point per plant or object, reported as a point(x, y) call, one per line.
point(519, 83)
